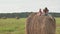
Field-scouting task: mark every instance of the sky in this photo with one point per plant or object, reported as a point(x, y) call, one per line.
point(10, 6)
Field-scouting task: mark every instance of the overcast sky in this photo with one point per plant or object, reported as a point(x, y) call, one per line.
point(9, 6)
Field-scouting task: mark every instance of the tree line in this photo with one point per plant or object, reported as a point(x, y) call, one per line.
point(22, 15)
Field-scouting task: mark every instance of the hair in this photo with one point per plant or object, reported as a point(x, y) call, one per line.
point(45, 10)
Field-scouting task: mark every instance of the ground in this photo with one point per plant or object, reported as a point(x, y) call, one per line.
point(17, 26)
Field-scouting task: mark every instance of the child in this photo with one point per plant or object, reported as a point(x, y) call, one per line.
point(39, 13)
point(45, 11)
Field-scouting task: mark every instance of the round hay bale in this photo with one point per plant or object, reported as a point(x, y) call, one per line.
point(29, 19)
point(17, 17)
point(4, 17)
point(40, 25)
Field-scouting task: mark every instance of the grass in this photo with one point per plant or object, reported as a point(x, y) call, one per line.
point(17, 26)
point(57, 25)
point(12, 26)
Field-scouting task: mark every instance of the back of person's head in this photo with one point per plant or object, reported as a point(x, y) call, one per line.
point(45, 9)
point(39, 10)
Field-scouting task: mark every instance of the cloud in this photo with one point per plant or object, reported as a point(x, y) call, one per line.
point(29, 5)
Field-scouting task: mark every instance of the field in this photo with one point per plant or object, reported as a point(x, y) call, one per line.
point(17, 26)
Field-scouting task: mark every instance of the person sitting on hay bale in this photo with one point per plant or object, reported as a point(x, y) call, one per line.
point(40, 12)
point(46, 12)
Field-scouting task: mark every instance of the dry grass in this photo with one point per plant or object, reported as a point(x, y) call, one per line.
point(40, 25)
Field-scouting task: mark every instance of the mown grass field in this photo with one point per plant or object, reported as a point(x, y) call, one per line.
point(17, 26)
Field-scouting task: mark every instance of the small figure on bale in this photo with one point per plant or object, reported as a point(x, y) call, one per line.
point(45, 11)
point(40, 12)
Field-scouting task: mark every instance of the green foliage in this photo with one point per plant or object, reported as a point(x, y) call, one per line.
point(23, 14)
